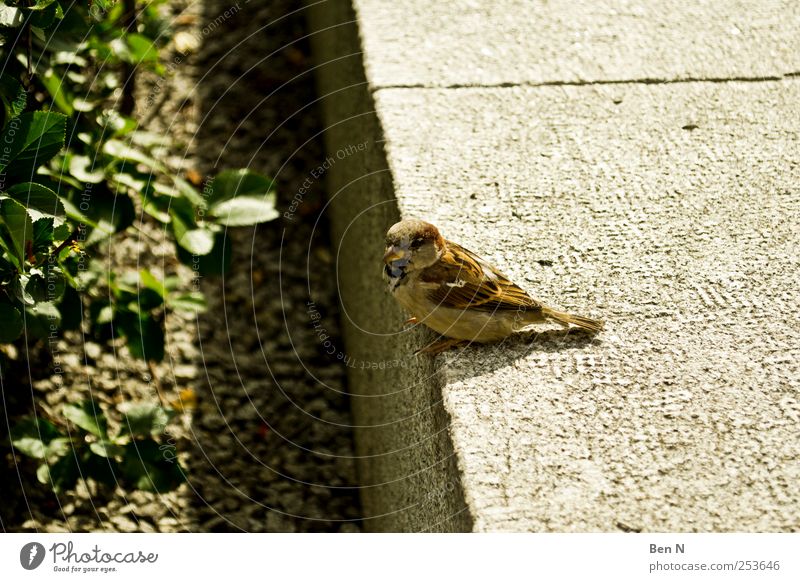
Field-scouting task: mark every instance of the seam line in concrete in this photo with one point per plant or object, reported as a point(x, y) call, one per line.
point(643, 81)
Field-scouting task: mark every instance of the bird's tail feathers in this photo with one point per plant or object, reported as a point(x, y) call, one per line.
point(593, 325)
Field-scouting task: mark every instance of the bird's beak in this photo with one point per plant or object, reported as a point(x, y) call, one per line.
point(393, 253)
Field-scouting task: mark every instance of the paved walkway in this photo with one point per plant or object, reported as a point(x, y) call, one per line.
point(634, 161)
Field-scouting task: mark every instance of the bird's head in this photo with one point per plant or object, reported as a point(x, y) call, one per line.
point(413, 245)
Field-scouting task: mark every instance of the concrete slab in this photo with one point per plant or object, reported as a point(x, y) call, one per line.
point(684, 414)
point(473, 42)
point(668, 209)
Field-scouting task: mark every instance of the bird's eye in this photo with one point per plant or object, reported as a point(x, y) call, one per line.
point(416, 243)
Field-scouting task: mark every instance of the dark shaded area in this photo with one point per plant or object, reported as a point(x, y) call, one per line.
point(277, 450)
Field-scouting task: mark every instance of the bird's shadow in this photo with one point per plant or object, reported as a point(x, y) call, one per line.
point(476, 359)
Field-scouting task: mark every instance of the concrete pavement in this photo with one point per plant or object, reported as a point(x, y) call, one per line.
point(667, 208)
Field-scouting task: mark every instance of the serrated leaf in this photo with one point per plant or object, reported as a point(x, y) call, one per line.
point(245, 210)
point(42, 235)
point(31, 139)
point(40, 200)
point(89, 417)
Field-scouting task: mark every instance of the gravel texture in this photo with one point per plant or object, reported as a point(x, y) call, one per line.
point(268, 446)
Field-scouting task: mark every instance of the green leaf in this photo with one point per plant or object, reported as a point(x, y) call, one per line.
point(150, 282)
point(31, 436)
point(9, 16)
point(99, 8)
point(13, 96)
point(128, 153)
point(46, 283)
point(192, 302)
point(89, 417)
point(62, 475)
point(114, 123)
point(43, 232)
point(76, 215)
point(149, 466)
point(111, 213)
point(189, 192)
point(106, 449)
point(58, 447)
point(199, 241)
point(232, 183)
point(217, 262)
point(41, 4)
point(30, 140)
point(42, 319)
point(144, 419)
point(39, 200)
point(16, 229)
point(10, 323)
point(157, 207)
point(44, 13)
point(141, 183)
point(245, 210)
point(56, 86)
point(141, 49)
point(83, 168)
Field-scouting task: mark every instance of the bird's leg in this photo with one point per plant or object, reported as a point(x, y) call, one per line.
point(440, 346)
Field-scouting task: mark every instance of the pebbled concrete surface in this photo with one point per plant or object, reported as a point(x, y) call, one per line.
point(669, 209)
point(683, 415)
point(470, 42)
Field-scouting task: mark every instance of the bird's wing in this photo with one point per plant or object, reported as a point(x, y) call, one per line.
point(462, 280)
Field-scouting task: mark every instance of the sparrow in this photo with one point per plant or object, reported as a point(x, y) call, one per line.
point(456, 293)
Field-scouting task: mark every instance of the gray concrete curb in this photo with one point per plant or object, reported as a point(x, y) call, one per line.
point(657, 192)
point(407, 464)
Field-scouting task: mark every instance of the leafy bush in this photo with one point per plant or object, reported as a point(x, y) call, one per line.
point(75, 171)
point(137, 456)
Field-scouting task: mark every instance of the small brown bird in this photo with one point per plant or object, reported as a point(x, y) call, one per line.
point(456, 293)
